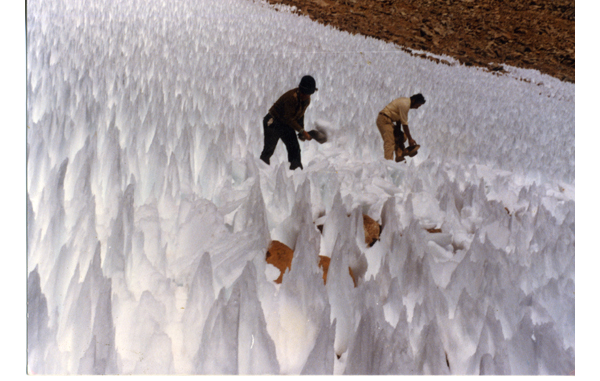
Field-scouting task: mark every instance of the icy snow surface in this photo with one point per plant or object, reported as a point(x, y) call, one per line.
point(149, 212)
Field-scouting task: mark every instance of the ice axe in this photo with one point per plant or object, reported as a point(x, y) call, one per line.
point(317, 134)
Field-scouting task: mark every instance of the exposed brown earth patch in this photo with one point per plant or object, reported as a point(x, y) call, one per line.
point(324, 265)
point(372, 230)
point(280, 255)
point(530, 34)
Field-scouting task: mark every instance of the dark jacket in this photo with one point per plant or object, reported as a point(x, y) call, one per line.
point(290, 110)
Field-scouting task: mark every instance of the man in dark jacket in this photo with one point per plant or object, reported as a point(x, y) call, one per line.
point(285, 119)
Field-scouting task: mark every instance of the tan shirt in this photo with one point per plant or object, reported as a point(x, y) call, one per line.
point(290, 110)
point(397, 110)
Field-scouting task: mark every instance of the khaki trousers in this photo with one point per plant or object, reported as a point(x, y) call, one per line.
point(393, 137)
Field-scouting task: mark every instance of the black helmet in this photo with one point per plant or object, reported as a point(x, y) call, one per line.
point(307, 85)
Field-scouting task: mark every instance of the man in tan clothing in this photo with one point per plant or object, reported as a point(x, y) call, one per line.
point(392, 120)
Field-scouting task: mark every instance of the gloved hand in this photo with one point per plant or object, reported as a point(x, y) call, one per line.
point(304, 135)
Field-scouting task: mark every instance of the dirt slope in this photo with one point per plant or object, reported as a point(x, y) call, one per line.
point(532, 34)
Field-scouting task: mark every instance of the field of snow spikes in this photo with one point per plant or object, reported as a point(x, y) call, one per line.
point(149, 212)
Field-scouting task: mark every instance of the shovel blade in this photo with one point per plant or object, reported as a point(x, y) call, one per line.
point(318, 135)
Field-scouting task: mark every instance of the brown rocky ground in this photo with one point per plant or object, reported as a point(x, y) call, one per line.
point(280, 255)
point(531, 34)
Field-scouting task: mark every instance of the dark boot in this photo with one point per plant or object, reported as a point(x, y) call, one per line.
point(265, 159)
point(289, 138)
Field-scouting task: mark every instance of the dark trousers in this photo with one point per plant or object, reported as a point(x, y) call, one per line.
point(273, 132)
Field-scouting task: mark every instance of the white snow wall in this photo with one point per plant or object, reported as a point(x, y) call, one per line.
point(149, 213)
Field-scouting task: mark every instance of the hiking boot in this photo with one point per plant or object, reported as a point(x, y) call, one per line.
point(400, 158)
point(399, 151)
point(266, 160)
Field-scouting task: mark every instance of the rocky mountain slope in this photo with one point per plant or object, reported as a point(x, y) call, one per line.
point(531, 34)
